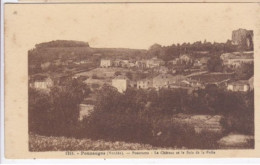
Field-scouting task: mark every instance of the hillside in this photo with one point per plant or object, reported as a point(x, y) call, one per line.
point(77, 50)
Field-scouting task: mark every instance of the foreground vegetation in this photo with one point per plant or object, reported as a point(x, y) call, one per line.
point(139, 116)
point(51, 143)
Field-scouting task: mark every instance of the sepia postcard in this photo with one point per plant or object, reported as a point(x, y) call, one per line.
point(132, 80)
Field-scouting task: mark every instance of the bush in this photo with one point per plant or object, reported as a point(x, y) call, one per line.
point(169, 133)
point(117, 127)
point(56, 113)
point(242, 123)
point(117, 73)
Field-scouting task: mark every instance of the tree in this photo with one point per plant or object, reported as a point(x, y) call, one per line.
point(129, 75)
point(117, 73)
point(215, 64)
point(154, 50)
point(57, 112)
point(245, 71)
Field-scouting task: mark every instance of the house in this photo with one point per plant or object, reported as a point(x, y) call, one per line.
point(251, 83)
point(235, 59)
point(161, 69)
point(41, 82)
point(125, 63)
point(173, 62)
point(239, 86)
point(145, 83)
point(120, 83)
point(185, 58)
point(117, 63)
point(162, 81)
point(104, 63)
point(86, 108)
point(154, 62)
point(204, 60)
point(141, 64)
point(193, 83)
point(176, 81)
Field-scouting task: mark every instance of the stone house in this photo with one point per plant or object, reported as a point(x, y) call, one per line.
point(161, 69)
point(104, 63)
point(162, 81)
point(173, 62)
point(251, 83)
point(185, 58)
point(141, 64)
point(41, 83)
point(235, 59)
point(154, 62)
point(120, 83)
point(238, 86)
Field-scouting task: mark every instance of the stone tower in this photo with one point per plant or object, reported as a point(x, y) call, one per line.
point(243, 38)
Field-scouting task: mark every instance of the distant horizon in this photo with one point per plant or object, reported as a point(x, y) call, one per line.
point(134, 26)
point(176, 43)
point(202, 41)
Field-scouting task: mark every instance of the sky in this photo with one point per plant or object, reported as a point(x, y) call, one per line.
point(127, 25)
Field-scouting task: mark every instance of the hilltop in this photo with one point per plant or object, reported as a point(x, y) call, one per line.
point(77, 50)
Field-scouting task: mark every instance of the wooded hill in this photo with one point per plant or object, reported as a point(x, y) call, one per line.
point(77, 50)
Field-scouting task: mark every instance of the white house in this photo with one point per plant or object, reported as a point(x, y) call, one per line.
point(154, 62)
point(104, 63)
point(42, 84)
point(239, 86)
point(120, 83)
point(185, 58)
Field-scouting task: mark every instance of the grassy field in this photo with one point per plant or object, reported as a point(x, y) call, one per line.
point(44, 143)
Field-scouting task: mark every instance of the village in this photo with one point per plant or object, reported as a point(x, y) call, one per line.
point(192, 72)
point(185, 72)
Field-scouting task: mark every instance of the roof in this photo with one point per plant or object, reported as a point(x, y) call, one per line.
point(240, 82)
point(121, 77)
point(238, 55)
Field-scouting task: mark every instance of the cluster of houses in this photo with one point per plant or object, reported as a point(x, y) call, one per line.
point(235, 59)
point(164, 76)
point(153, 62)
point(179, 81)
point(150, 63)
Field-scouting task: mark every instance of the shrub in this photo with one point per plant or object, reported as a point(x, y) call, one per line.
point(117, 73)
point(242, 123)
point(56, 113)
point(179, 135)
point(117, 127)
